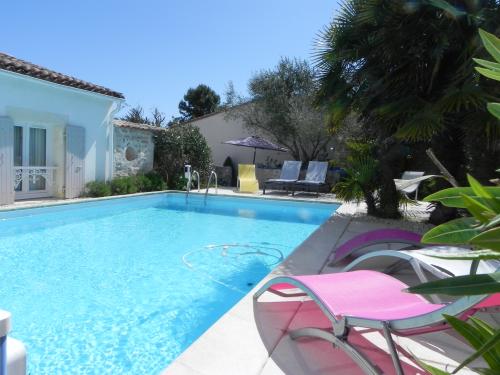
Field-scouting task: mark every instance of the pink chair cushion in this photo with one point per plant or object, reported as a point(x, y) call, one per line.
point(391, 235)
point(491, 301)
point(366, 294)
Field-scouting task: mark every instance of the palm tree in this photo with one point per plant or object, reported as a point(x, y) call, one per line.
point(406, 68)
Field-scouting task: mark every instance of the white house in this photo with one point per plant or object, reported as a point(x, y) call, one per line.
point(56, 132)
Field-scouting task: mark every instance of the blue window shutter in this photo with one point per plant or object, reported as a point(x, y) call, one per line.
point(75, 161)
point(6, 160)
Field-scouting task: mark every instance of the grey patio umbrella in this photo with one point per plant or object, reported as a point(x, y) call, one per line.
point(256, 142)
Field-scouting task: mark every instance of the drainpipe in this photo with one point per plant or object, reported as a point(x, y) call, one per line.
point(4, 330)
point(118, 106)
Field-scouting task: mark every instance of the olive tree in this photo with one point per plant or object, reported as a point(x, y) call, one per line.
point(281, 105)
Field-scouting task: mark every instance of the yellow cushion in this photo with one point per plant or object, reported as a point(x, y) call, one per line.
point(247, 180)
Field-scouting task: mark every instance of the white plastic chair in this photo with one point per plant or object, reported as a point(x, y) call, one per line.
point(406, 186)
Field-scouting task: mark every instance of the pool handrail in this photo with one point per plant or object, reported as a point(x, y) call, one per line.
point(212, 173)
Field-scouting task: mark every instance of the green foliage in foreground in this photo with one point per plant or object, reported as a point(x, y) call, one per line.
point(482, 337)
point(151, 181)
point(490, 69)
point(482, 233)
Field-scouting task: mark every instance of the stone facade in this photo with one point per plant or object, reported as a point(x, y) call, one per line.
point(133, 151)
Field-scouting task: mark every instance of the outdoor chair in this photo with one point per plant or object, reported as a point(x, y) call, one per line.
point(410, 181)
point(423, 262)
point(389, 261)
point(373, 300)
point(289, 174)
point(247, 181)
point(315, 177)
point(382, 238)
point(397, 248)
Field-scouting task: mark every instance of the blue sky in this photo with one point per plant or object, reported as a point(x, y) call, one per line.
point(153, 51)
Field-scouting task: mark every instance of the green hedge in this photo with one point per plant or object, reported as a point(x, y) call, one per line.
point(151, 181)
point(178, 145)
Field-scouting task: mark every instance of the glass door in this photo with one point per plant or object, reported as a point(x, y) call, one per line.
point(30, 153)
point(37, 155)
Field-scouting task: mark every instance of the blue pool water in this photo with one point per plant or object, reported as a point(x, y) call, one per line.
point(123, 286)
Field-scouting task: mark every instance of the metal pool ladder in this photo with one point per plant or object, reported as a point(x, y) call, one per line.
point(209, 181)
point(197, 180)
point(188, 185)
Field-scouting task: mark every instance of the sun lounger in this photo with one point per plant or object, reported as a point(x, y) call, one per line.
point(371, 299)
point(410, 181)
point(289, 174)
point(315, 177)
point(423, 262)
point(247, 181)
point(388, 261)
point(409, 187)
point(386, 238)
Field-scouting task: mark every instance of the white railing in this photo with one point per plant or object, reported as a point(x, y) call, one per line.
point(33, 174)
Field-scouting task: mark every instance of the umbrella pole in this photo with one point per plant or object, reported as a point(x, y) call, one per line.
point(254, 152)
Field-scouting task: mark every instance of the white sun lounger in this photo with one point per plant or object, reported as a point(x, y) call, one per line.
point(289, 174)
point(420, 260)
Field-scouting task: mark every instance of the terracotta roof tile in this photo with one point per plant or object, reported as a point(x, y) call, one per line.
point(16, 65)
point(134, 125)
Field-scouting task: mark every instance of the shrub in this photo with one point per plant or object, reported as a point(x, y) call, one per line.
point(151, 181)
point(180, 144)
point(96, 189)
point(123, 185)
point(143, 183)
point(180, 183)
point(156, 181)
point(229, 163)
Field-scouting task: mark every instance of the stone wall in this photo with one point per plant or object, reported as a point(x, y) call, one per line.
point(133, 151)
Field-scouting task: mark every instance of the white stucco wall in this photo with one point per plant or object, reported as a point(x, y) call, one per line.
point(217, 129)
point(36, 102)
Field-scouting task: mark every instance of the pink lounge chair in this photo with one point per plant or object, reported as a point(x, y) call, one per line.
point(374, 300)
point(376, 237)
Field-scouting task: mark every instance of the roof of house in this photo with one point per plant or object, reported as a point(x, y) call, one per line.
point(19, 66)
point(217, 112)
point(134, 125)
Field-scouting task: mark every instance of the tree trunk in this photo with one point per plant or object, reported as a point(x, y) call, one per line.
point(391, 159)
point(370, 203)
point(388, 195)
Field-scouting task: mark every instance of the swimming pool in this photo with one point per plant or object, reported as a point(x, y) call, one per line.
point(123, 286)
